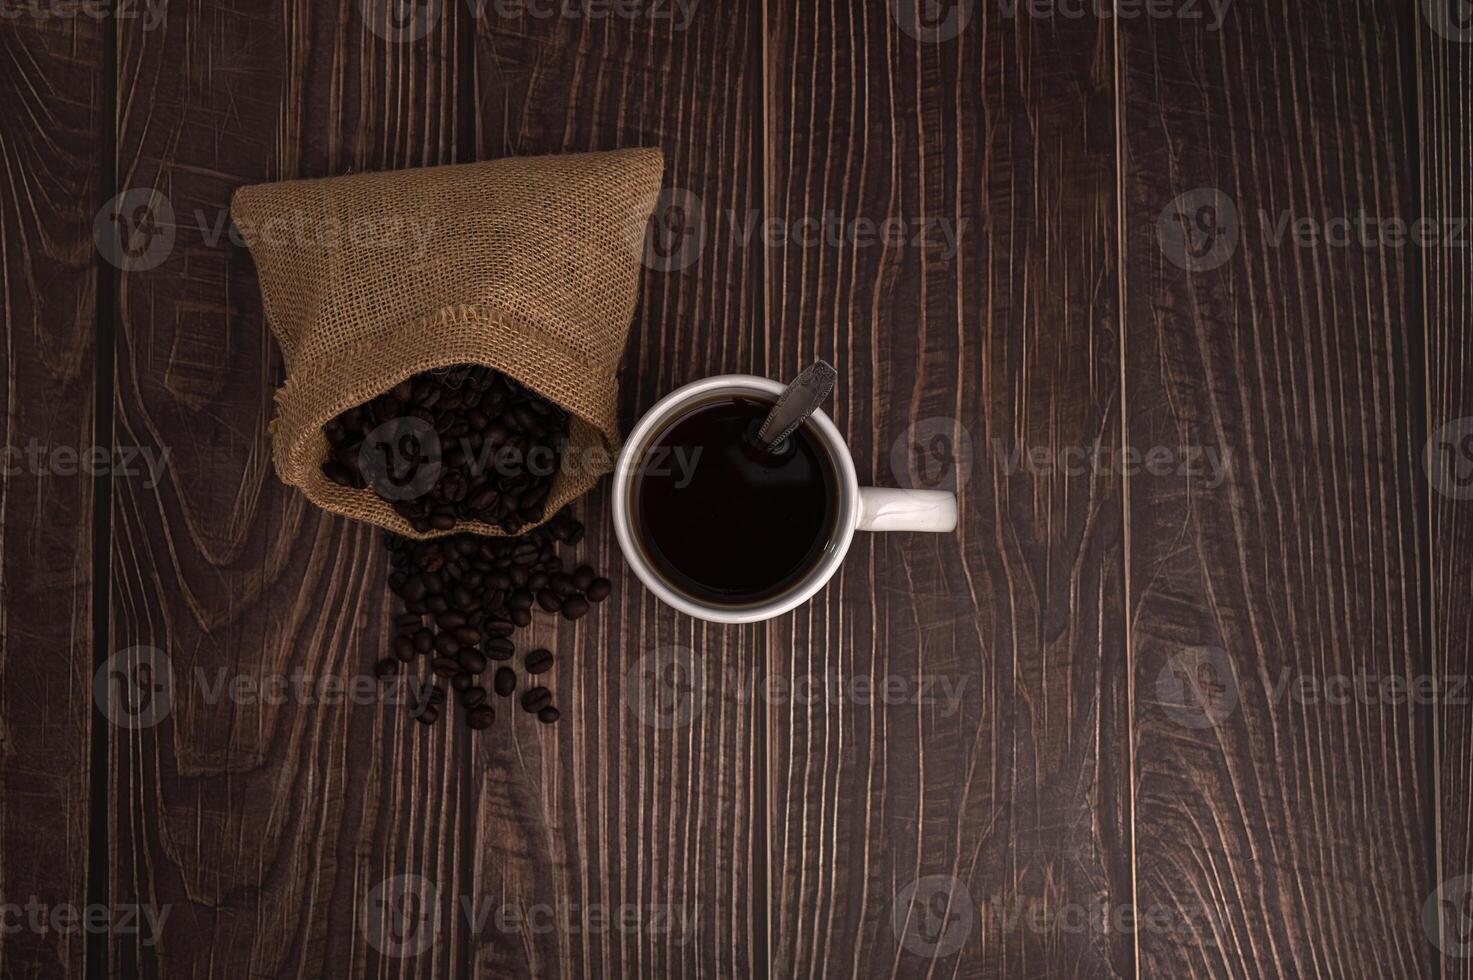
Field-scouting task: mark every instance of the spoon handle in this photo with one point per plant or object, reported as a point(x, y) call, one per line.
point(798, 401)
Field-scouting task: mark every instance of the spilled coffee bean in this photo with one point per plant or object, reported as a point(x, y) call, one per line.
point(465, 597)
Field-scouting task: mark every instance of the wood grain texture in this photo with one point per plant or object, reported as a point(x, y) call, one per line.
point(640, 819)
point(1282, 822)
point(1445, 142)
point(51, 84)
point(919, 831)
point(262, 822)
point(1192, 454)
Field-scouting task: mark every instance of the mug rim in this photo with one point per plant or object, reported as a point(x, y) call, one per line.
point(817, 577)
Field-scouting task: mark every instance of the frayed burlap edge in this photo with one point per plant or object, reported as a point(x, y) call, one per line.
point(456, 335)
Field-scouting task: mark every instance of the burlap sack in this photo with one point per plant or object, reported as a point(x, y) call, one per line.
point(527, 265)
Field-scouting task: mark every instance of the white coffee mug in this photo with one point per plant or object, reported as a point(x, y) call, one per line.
point(860, 508)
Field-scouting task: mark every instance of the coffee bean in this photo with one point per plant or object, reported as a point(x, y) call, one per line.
point(499, 648)
point(499, 628)
point(548, 715)
point(480, 717)
point(447, 644)
point(472, 660)
point(472, 696)
point(562, 584)
point(462, 680)
point(424, 640)
point(505, 681)
point(409, 621)
point(404, 649)
point(414, 589)
point(521, 599)
point(538, 661)
point(535, 699)
point(386, 668)
point(575, 607)
point(521, 617)
point(428, 715)
point(450, 619)
point(599, 590)
point(437, 694)
point(549, 601)
point(583, 577)
point(445, 666)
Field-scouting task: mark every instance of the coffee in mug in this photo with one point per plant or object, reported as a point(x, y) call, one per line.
point(716, 530)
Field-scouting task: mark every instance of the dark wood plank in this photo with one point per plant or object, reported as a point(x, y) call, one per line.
point(1445, 139)
point(52, 85)
point(1289, 835)
point(648, 799)
point(917, 833)
point(272, 831)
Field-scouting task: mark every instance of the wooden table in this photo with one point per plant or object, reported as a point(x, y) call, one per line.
point(973, 755)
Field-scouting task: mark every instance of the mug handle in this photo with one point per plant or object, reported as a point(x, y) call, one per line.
point(885, 509)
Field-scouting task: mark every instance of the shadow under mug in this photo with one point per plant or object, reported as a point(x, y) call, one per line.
point(860, 508)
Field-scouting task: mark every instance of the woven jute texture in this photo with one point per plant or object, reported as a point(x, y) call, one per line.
point(527, 265)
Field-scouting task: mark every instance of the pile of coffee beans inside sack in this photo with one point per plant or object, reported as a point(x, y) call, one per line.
point(465, 596)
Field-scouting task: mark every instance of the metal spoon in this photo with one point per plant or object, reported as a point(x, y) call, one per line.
point(799, 400)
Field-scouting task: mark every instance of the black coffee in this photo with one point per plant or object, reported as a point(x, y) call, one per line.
point(725, 522)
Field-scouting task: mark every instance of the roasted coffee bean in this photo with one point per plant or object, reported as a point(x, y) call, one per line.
point(521, 617)
point(480, 717)
point(583, 577)
point(447, 644)
point(538, 661)
point(549, 601)
point(499, 648)
point(548, 715)
point(536, 582)
point(505, 681)
point(467, 636)
point(473, 696)
point(437, 694)
point(428, 715)
point(499, 628)
point(575, 607)
point(462, 680)
point(520, 599)
point(599, 590)
point(386, 668)
point(562, 584)
point(535, 699)
point(424, 640)
point(450, 619)
point(445, 666)
point(408, 620)
point(473, 660)
point(414, 589)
